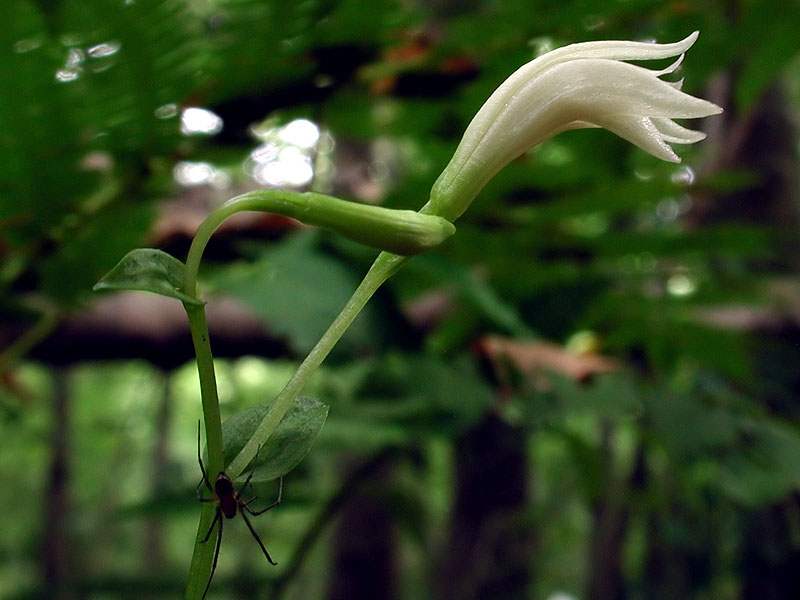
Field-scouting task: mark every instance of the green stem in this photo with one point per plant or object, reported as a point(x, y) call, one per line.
point(203, 555)
point(385, 266)
point(208, 387)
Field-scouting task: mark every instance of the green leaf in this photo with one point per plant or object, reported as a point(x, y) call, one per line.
point(148, 270)
point(288, 444)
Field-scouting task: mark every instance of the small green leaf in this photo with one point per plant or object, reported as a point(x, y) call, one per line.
point(148, 270)
point(288, 444)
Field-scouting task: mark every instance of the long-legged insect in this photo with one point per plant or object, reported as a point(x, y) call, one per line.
point(229, 502)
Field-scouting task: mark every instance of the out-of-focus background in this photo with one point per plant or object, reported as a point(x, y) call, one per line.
point(589, 392)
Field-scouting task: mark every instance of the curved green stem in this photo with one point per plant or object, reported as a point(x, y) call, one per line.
point(397, 231)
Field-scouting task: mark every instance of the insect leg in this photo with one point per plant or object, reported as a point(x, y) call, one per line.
point(273, 505)
point(258, 539)
point(217, 517)
point(202, 468)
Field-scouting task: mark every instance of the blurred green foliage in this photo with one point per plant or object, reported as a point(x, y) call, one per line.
point(695, 436)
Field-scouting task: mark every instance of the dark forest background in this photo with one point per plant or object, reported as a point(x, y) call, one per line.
point(590, 391)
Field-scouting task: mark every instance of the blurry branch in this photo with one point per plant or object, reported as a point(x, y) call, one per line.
point(535, 358)
point(150, 327)
point(131, 325)
point(29, 339)
point(778, 310)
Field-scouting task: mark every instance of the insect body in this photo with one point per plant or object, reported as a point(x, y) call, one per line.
point(226, 495)
point(229, 502)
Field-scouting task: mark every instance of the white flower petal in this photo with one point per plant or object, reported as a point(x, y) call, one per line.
point(616, 87)
point(641, 132)
point(678, 85)
point(677, 134)
point(622, 50)
point(670, 69)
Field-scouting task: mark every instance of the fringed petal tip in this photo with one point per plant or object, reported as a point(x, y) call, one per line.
point(672, 68)
point(690, 39)
point(641, 132)
point(677, 134)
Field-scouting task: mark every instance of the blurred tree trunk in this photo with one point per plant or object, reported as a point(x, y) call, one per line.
point(764, 142)
point(770, 556)
point(57, 565)
point(489, 551)
point(610, 516)
point(364, 547)
point(680, 550)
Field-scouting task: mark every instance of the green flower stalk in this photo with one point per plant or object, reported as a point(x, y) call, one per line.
point(403, 232)
point(577, 86)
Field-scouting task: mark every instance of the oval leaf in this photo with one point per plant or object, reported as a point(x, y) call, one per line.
point(148, 270)
point(288, 444)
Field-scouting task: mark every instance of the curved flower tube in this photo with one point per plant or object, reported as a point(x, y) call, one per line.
point(577, 86)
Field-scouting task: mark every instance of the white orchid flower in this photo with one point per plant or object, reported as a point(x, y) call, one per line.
point(577, 86)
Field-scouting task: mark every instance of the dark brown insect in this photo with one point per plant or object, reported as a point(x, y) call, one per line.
point(229, 502)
